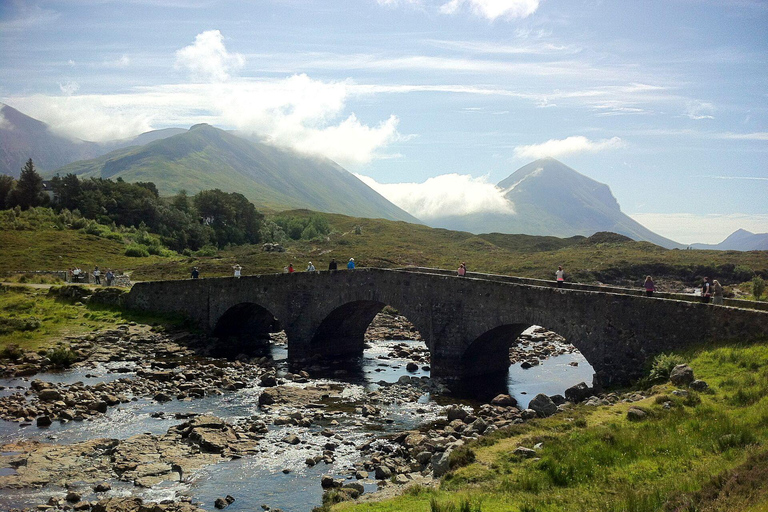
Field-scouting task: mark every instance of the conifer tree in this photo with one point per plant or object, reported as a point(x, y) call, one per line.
point(28, 191)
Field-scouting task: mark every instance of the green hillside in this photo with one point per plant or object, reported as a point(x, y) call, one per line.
point(206, 158)
point(36, 244)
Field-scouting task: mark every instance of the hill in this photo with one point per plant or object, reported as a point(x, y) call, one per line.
point(552, 199)
point(205, 157)
point(739, 240)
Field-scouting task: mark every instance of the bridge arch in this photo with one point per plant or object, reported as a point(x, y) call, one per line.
point(244, 328)
point(341, 332)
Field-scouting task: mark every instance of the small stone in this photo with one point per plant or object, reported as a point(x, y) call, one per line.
point(102, 487)
point(699, 385)
point(524, 452)
point(635, 414)
point(291, 439)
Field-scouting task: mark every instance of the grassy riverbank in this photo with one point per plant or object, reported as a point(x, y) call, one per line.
point(702, 452)
point(33, 318)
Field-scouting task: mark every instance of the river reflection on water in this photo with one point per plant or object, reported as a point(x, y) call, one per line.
point(254, 481)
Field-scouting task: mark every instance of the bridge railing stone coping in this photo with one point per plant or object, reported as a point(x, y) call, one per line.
point(736, 303)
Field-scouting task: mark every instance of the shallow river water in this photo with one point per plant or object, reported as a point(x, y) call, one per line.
point(261, 479)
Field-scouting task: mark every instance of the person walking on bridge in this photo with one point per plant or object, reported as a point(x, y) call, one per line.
point(560, 275)
point(650, 286)
point(310, 267)
point(333, 265)
point(717, 293)
point(351, 264)
point(462, 269)
point(706, 291)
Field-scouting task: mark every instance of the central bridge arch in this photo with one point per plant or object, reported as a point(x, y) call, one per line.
point(467, 323)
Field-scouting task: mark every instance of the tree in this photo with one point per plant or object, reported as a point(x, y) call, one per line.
point(6, 185)
point(28, 192)
point(758, 287)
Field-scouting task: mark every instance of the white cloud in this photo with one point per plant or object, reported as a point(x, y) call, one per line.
point(444, 195)
point(4, 123)
point(69, 88)
point(689, 228)
point(297, 112)
point(744, 136)
point(494, 9)
point(208, 58)
point(699, 110)
point(572, 145)
point(396, 3)
point(121, 62)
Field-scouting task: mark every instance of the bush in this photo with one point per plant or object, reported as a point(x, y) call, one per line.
point(758, 287)
point(207, 251)
point(61, 357)
point(137, 251)
point(662, 366)
point(12, 352)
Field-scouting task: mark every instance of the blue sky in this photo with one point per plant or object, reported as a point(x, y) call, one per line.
point(664, 101)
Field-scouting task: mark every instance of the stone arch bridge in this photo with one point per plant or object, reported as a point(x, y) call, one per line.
point(468, 323)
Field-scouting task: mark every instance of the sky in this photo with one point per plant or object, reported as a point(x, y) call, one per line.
point(430, 101)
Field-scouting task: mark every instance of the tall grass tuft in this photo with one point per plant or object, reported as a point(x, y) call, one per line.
point(464, 505)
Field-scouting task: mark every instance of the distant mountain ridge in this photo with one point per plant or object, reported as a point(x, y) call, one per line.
point(550, 198)
point(205, 157)
point(739, 240)
point(23, 137)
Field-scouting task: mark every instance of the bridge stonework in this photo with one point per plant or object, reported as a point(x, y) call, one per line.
point(468, 324)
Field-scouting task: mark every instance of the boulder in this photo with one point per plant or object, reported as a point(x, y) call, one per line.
point(441, 463)
point(681, 375)
point(383, 472)
point(635, 414)
point(50, 395)
point(504, 401)
point(543, 405)
point(578, 393)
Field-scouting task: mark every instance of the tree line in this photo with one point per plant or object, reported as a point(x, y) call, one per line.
point(208, 218)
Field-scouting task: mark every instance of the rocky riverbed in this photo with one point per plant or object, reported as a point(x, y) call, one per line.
point(355, 439)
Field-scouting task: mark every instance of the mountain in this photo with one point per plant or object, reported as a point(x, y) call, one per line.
point(23, 137)
point(205, 157)
point(739, 240)
point(550, 198)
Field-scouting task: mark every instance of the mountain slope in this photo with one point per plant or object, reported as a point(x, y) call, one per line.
point(550, 198)
point(23, 137)
point(205, 157)
point(739, 240)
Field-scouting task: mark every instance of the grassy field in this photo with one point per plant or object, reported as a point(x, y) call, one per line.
point(388, 244)
point(703, 452)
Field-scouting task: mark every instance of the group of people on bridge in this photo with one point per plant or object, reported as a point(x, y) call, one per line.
point(78, 275)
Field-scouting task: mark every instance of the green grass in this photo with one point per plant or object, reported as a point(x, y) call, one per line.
point(33, 319)
point(594, 459)
point(386, 244)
